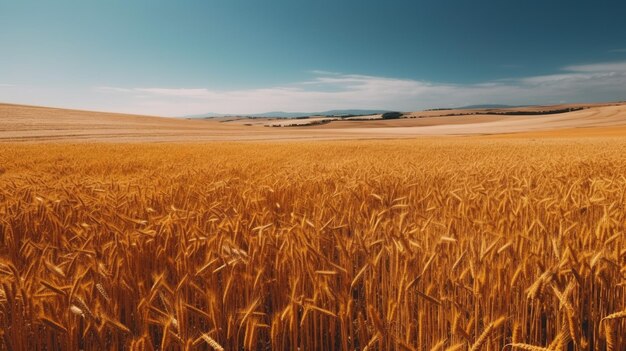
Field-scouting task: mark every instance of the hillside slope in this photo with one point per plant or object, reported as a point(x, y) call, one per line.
point(31, 123)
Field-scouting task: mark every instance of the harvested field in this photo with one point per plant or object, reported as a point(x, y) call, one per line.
point(39, 124)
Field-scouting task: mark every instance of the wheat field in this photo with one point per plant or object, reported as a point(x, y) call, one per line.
point(433, 244)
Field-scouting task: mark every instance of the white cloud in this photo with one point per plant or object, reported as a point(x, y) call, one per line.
point(330, 90)
point(599, 67)
point(322, 72)
point(564, 79)
point(592, 82)
point(323, 92)
point(114, 89)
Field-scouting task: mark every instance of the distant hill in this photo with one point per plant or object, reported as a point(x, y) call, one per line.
point(484, 106)
point(475, 107)
point(281, 114)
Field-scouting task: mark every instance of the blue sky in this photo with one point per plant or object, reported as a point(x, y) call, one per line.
point(236, 56)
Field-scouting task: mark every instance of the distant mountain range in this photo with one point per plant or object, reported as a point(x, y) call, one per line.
point(484, 106)
point(477, 107)
point(356, 112)
point(281, 114)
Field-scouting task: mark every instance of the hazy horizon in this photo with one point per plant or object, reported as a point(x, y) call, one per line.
point(235, 57)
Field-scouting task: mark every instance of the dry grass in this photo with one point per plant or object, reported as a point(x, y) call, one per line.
point(455, 244)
